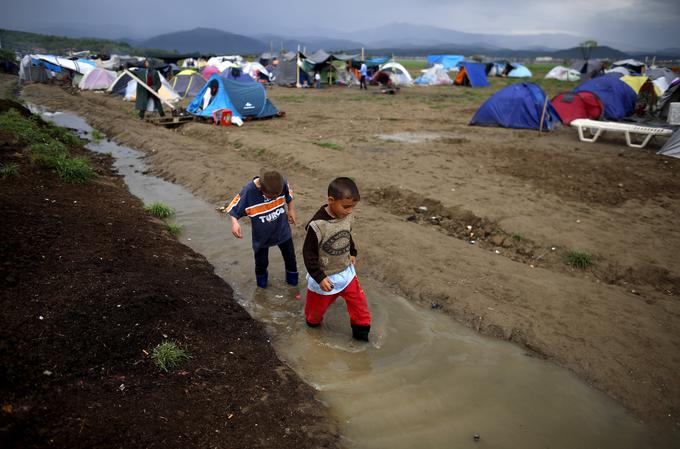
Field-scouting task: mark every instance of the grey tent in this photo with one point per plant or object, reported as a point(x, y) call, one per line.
point(672, 95)
point(633, 66)
point(672, 147)
point(661, 72)
point(587, 68)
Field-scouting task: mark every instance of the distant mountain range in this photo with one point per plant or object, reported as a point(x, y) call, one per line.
point(400, 39)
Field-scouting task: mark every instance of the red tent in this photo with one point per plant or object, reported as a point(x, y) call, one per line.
point(573, 105)
point(209, 71)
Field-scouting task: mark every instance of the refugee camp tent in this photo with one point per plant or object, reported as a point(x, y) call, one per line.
point(188, 83)
point(224, 62)
point(472, 74)
point(588, 69)
point(672, 95)
point(519, 71)
point(127, 87)
point(621, 71)
point(562, 73)
point(434, 76)
point(98, 79)
point(618, 97)
point(662, 77)
point(633, 66)
point(517, 106)
point(119, 85)
point(209, 71)
point(257, 71)
point(638, 82)
point(243, 99)
point(237, 74)
point(448, 62)
point(574, 105)
point(289, 71)
point(399, 75)
point(30, 72)
point(672, 146)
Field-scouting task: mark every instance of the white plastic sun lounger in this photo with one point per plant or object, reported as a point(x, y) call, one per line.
point(596, 128)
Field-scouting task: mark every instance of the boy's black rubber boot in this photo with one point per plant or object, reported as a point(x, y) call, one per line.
point(312, 324)
point(262, 280)
point(292, 278)
point(360, 332)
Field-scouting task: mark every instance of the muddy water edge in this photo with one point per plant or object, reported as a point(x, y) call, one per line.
point(423, 380)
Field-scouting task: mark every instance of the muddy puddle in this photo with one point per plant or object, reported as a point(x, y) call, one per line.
point(424, 381)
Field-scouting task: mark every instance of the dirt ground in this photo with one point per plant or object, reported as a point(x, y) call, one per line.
point(90, 284)
point(503, 210)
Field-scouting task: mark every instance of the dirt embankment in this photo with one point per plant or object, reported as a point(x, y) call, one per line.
point(90, 285)
point(520, 193)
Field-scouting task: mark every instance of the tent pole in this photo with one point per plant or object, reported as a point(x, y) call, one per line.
point(297, 67)
point(545, 106)
point(362, 54)
point(153, 92)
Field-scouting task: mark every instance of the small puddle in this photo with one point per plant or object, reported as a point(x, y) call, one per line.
point(424, 381)
point(408, 137)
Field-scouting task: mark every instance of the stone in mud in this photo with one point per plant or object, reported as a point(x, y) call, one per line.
point(497, 240)
point(507, 243)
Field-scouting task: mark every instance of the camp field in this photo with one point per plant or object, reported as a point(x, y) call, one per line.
point(489, 225)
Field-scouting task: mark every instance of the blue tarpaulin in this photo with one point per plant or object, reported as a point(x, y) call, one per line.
point(476, 74)
point(449, 62)
point(517, 106)
point(243, 99)
point(618, 97)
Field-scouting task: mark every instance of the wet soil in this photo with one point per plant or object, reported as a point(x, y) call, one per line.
point(614, 324)
point(90, 285)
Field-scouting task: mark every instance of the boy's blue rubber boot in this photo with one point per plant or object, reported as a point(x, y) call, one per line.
point(262, 280)
point(292, 277)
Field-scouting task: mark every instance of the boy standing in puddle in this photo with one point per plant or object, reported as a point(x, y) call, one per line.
point(264, 200)
point(329, 254)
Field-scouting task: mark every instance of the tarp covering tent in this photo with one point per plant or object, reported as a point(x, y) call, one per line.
point(400, 75)
point(56, 64)
point(130, 90)
point(517, 106)
point(619, 70)
point(636, 83)
point(632, 65)
point(472, 74)
point(448, 62)
point(618, 97)
point(587, 68)
point(289, 73)
point(188, 83)
point(574, 105)
point(519, 71)
point(672, 95)
point(243, 99)
point(257, 71)
point(98, 79)
point(434, 76)
point(563, 74)
point(672, 146)
point(662, 77)
point(30, 72)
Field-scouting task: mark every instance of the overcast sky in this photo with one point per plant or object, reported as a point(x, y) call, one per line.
point(634, 23)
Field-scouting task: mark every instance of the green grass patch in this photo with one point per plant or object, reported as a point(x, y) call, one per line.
point(74, 169)
point(329, 145)
point(259, 152)
point(238, 145)
point(168, 356)
point(291, 98)
point(9, 171)
point(579, 259)
point(159, 210)
point(517, 237)
point(175, 228)
point(97, 136)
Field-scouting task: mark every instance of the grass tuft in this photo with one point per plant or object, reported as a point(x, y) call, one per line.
point(97, 135)
point(168, 355)
point(579, 259)
point(259, 152)
point(175, 228)
point(74, 169)
point(329, 145)
point(9, 170)
point(517, 237)
point(159, 210)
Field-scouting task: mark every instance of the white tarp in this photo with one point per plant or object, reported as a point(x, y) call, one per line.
point(434, 76)
point(165, 92)
point(563, 74)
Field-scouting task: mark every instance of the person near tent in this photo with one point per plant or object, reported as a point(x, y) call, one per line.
point(317, 80)
point(152, 79)
point(363, 71)
point(329, 254)
point(268, 201)
point(210, 94)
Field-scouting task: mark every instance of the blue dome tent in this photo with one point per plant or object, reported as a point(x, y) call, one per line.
point(618, 97)
point(243, 99)
point(517, 106)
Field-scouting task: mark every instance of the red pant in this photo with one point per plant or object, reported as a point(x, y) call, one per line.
point(317, 304)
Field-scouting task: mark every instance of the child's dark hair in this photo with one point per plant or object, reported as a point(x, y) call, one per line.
point(343, 189)
point(271, 182)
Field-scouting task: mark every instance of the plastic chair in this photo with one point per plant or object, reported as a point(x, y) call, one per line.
point(222, 117)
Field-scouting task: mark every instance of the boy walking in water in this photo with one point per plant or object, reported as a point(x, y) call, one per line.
point(263, 199)
point(329, 254)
